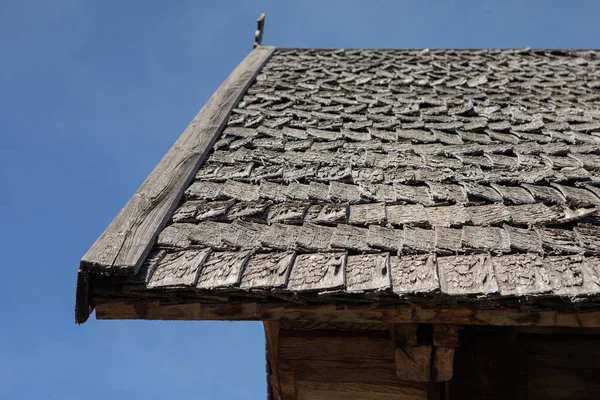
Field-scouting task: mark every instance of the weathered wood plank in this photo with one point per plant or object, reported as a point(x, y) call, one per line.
point(531, 214)
point(413, 363)
point(366, 214)
point(308, 390)
point(514, 194)
point(467, 274)
point(332, 213)
point(344, 192)
point(245, 235)
point(521, 274)
point(367, 272)
point(488, 214)
point(406, 214)
point(413, 194)
point(334, 314)
point(579, 197)
point(418, 240)
point(204, 190)
point(413, 274)
point(287, 381)
point(350, 237)
point(447, 216)
point(335, 346)
point(557, 241)
point(240, 190)
point(448, 239)
point(280, 236)
point(361, 371)
point(178, 269)
point(247, 209)
point(443, 363)
point(125, 243)
point(289, 212)
point(213, 209)
point(267, 270)
point(318, 271)
point(385, 238)
point(272, 346)
point(222, 269)
point(524, 239)
point(445, 335)
point(589, 237)
point(207, 233)
point(448, 192)
point(485, 238)
point(315, 237)
point(566, 274)
point(545, 194)
point(186, 212)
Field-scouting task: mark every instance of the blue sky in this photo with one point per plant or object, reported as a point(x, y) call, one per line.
point(92, 94)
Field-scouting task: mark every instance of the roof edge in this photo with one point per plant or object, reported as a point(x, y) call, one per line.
point(123, 246)
point(514, 49)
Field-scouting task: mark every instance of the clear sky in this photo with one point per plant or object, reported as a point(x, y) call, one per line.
point(93, 93)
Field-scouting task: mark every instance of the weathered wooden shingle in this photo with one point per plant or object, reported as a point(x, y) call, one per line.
point(367, 272)
point(178, 269)
point(222, 269)
point(467, 274)
point(395, 157)
point(318, 271)
point(413, 274)
point(521, 274)
point(267, 270)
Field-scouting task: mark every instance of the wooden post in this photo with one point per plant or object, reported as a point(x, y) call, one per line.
point(445, 339)
point(413, 360)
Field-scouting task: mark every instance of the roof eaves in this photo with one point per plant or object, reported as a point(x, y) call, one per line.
point(123, 246)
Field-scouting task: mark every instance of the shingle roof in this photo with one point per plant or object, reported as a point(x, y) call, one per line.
point(394, 175)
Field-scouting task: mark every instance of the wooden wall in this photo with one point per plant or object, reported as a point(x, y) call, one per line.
point(505, 363)
point(489, 363)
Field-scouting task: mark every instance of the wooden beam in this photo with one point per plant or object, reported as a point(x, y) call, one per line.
point(126, 242)
point(272, 341)
point(413, 363)
point(443, 363)
point(364, 315)
point(287, 381)
point(343, 391)
point(445, 339)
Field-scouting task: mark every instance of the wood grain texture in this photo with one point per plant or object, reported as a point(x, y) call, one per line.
point(413, 364)
point(267, 270)
point(222, 269)
point(272, 346)
point(350, 237)
point(521, 274)
point(385, 238)
point(406, 214)
point(366, 214)
point(333, 314)
point(367, 272)
point(123, 246)
point(469, 274)
point(443, 362)
point(318, 271)
point(308, 390)
point(414, 274)
point(178, 269)
point(315, 237)
point(335, 345)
